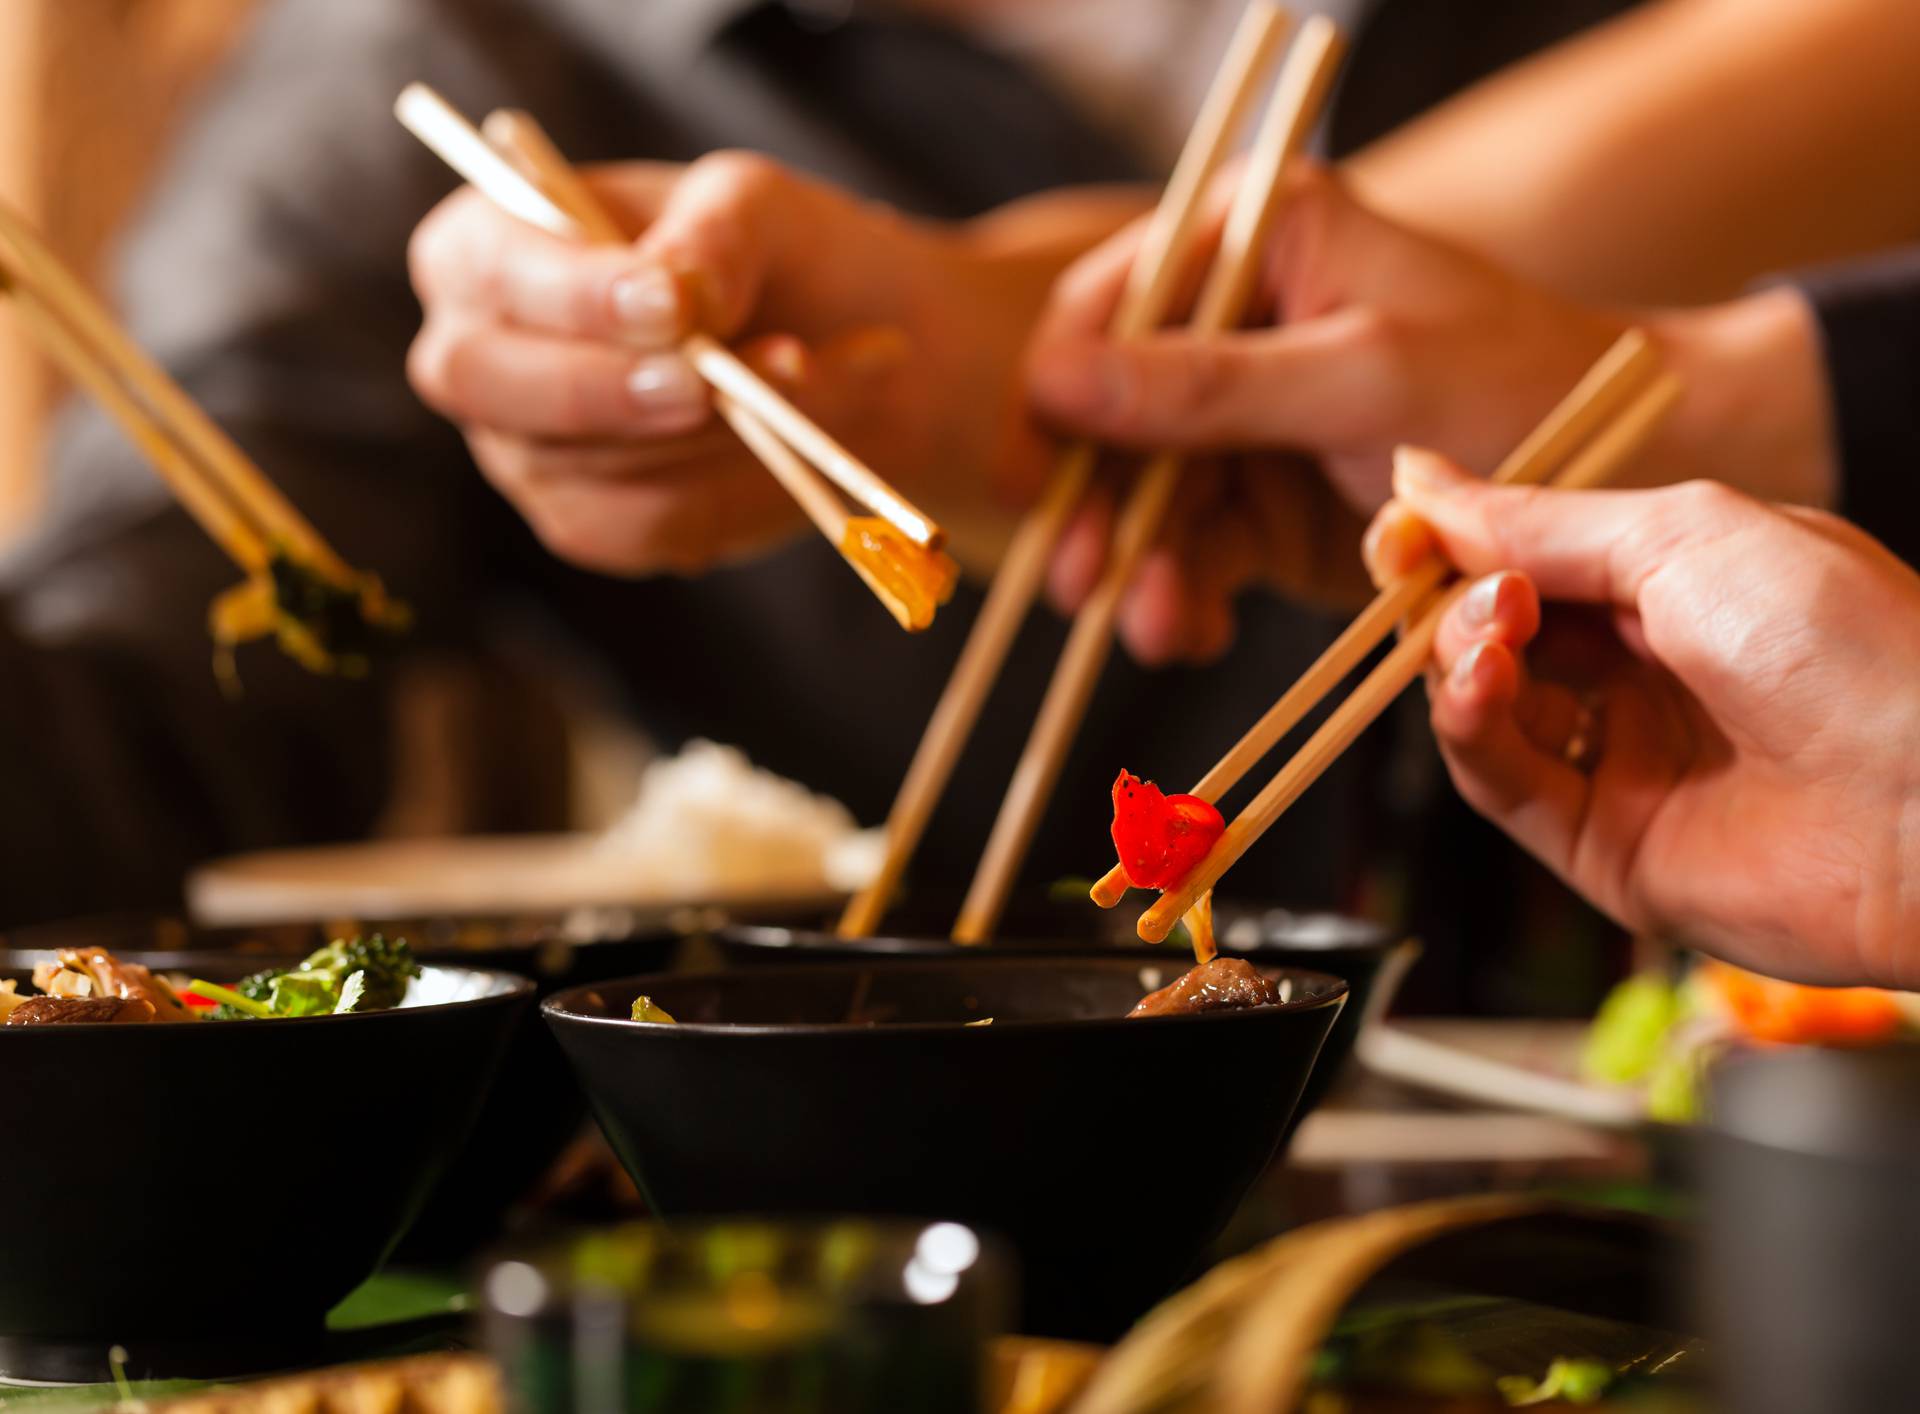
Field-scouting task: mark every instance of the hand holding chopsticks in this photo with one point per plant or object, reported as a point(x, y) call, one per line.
point(1599, 427)
point(1290, 116)
point(1142, 306)
point(896, 550)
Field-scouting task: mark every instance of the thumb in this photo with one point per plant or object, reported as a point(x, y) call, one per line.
point(1320, 385)
point(1596, 547)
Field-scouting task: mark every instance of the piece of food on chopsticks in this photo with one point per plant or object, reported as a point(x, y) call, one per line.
point(911, 579)
point(1160, 837)
point(323, 625)
point(1660, 1034)
point(298, 590)
point(347, 975)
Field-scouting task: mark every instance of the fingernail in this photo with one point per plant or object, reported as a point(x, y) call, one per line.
point(647, 304)
point(1468, 666)
point(1416, 470)
point(663, 384)
point(1480, 604)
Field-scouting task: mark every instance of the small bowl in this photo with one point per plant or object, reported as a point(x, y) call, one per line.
point(1108, 1151)
point(533, 1109)
point(1363, 954)
point(202, 1194)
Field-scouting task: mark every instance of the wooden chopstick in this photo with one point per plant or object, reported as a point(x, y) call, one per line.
point(1624, 370)
point(1598, 463)
point(1148, 293)
point(217, 482)
point(1290, 116)
point(520, 138)
point(436, 123)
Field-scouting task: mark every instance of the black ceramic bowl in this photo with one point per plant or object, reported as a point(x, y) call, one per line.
point(1109, 1151)
point(1353, 949)
point(533, 1108)
point(202, 1194)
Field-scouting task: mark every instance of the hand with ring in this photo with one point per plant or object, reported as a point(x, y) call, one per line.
point(1710, 729)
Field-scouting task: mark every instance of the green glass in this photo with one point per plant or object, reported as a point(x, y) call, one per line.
point(734, 1316)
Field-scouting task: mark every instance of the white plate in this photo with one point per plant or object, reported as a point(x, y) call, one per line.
point(1518, 1065)
point(470, 875)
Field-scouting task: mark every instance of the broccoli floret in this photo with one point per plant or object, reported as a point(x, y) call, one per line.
point(389, 966)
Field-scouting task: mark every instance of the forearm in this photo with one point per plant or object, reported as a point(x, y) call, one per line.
point(1756, 412)
point(1628, 165)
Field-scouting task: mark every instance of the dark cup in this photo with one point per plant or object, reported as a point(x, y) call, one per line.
point(1811, 1201)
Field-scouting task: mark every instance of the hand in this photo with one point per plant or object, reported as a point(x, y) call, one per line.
point(1711, 733)
point(1369, 336)
point(559, 361)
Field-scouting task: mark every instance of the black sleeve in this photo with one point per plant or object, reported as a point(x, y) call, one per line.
point(268, 274)
point(1869, 316)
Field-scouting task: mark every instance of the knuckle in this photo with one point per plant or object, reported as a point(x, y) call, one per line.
point(736, 170)
point(428, 366)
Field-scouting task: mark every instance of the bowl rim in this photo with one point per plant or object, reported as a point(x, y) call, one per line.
point(507, 987)
point(558, 1008)
point(777, 939)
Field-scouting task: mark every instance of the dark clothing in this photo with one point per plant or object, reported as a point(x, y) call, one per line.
point(1869, 316)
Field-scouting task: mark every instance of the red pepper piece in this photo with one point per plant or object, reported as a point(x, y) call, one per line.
point(1161, 838)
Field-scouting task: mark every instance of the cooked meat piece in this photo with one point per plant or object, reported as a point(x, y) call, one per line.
point(1225, 983)
point(73, 1011)
point(95, 972)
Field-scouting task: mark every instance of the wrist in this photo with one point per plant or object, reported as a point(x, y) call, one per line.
point(1756, 413)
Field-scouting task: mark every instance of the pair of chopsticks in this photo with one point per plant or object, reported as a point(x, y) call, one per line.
point(220, 486)
point(515, 165)
point(1595, 430)
point(1143, 306)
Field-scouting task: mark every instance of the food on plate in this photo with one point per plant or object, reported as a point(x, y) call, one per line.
point(322, 624)
point(911, 580)
point(1223, 984)
point(347, 975)
point(89, 986)
point(708, 823)
point(1661, 1034)
point(1161, 838)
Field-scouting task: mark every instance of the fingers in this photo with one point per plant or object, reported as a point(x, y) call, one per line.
point(1500, 608)
point(470, 256)
point(1396, 543)
point(544, 386)
point(1582, 546)
point(1315, 385)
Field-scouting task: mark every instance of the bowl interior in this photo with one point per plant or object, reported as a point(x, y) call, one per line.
point(853, 997)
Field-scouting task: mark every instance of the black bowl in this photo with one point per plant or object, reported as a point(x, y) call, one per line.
point(1109, 1151)
point(533, 1109)
point(1353, 949)
point(202, 1194)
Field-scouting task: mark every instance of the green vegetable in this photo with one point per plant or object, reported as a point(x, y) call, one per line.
point(302, 994)
point(231, 1002)
point(1625, 1041)
point(353, 994)
point(645, 1010)
point(1574, 1381)
point(347, 975)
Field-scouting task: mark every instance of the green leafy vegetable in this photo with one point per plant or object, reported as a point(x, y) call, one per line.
point(347, 975)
